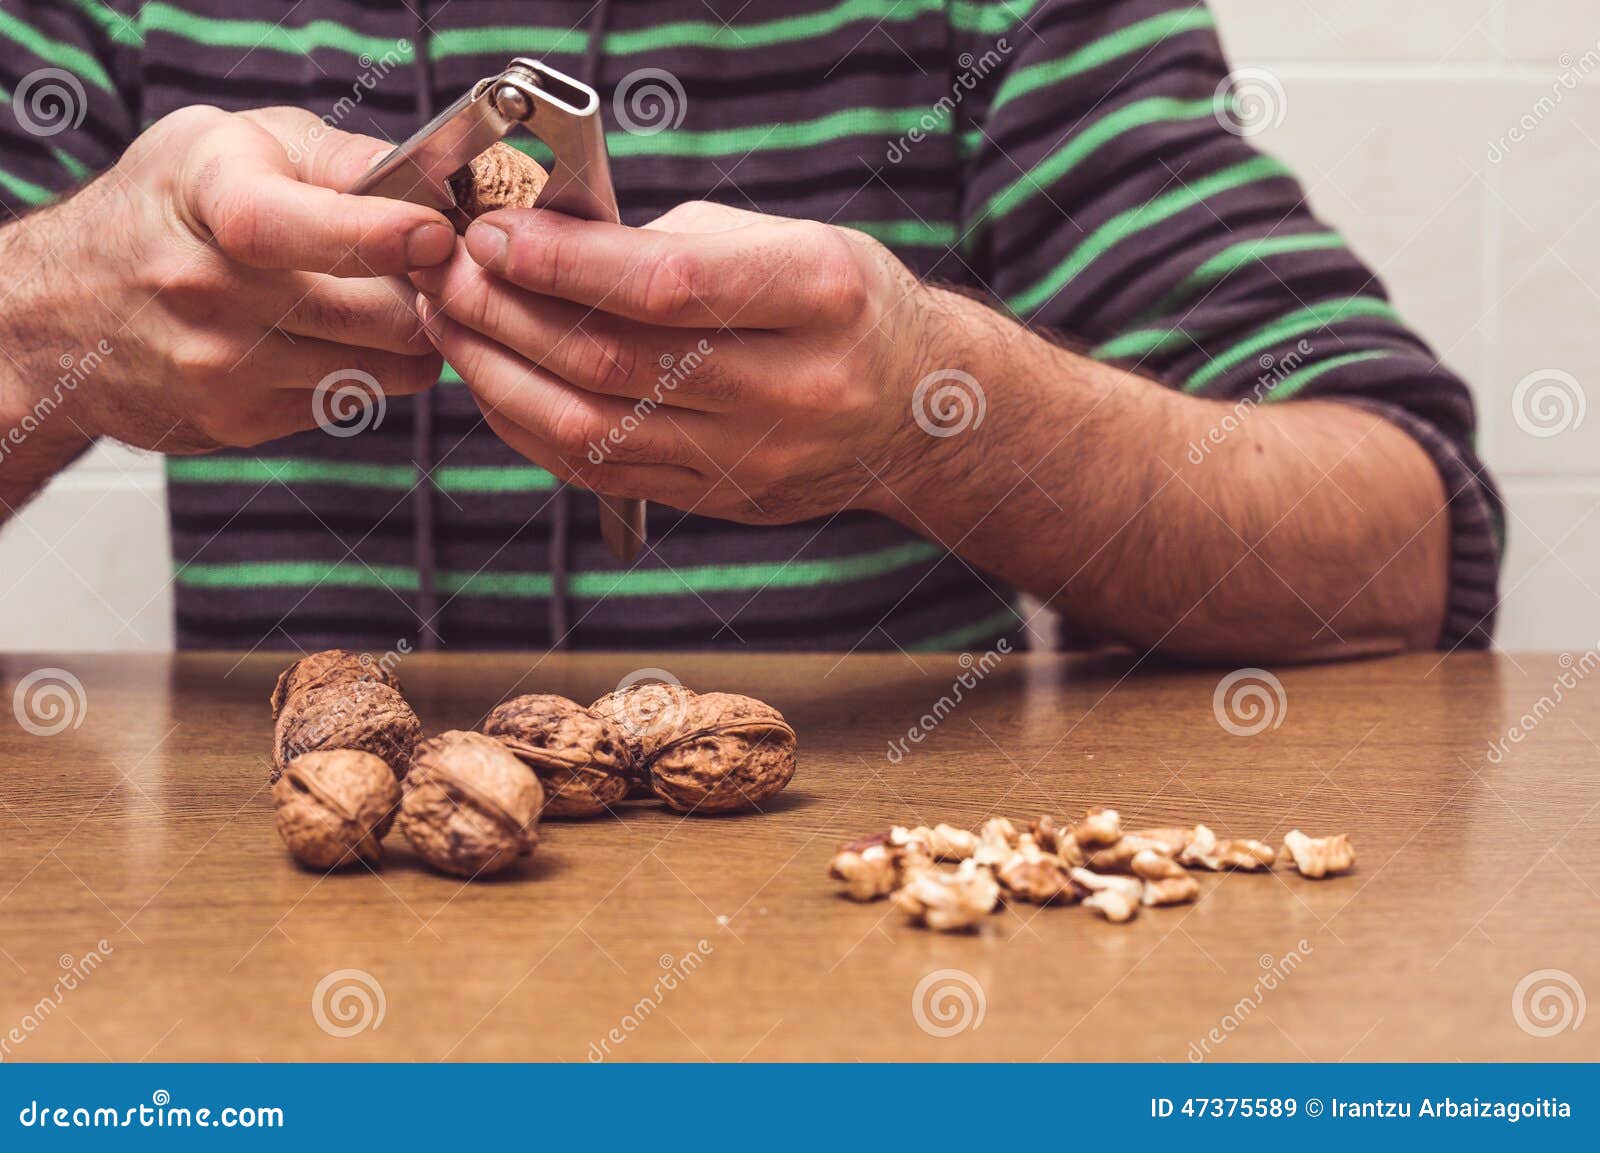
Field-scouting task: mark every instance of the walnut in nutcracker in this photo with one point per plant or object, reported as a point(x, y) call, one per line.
point(471, 808)
point(366, 715)
point(500, 177)
point(333, 807)
point(728, 753)
point(579, 756)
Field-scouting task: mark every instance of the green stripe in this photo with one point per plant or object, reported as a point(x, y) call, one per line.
point(956, 640)
point(991, 17)
point(68, 56)
point(1294, 382)
point(1123, 42)
point(1144, 342)
point(1296, 324)
point(1156, 110)
point(1136, 220)
point(248, 34)
point(75, 167)
point(450, 478)
point(589, 585)
point(117, 27)
point(1230, 260)
point(907, 233)
point(24, 190)
point(838, 125)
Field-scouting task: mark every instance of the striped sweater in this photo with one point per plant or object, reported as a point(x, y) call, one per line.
point(1071, 159)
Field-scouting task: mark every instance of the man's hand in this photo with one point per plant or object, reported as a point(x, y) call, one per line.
point(718, 360)
point(226, 277)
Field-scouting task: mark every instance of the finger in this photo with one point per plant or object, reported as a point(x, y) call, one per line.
point(328, 157)
point(244, 192)
point(299, 363)
point(654, 482)
point(577, 425)
point(683, 368)
point(772, 274)
point(365, 313)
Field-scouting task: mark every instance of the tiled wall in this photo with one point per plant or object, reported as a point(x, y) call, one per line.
point(1393, 111)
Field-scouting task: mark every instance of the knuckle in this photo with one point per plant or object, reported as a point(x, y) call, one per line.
point(575, 427)
point(671, 286)
point(842, 292)
point(604, 360)
point(202, 357)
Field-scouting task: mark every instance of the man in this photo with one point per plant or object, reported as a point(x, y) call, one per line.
point(918, 303)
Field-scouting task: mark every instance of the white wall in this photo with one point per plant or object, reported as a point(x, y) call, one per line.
point(1390, 111)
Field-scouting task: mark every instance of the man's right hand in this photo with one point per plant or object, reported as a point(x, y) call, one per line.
point(228, 278)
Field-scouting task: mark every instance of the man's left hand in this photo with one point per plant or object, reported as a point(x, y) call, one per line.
point(747, 367)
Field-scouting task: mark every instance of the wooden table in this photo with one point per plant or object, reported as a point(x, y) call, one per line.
point(149, 828)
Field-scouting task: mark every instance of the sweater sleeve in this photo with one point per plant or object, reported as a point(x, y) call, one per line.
point(1113, 195)
point(69, 95)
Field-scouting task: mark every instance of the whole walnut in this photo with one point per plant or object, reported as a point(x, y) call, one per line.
point(647, 715)
point(729, 752)
point(578, 755)
point(330, 666)
point(366, 715)
point(471, 808)
point(334, 807)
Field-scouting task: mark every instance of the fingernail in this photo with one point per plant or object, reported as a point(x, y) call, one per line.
point(429, 244)
point(487, 245)
point(428, 317)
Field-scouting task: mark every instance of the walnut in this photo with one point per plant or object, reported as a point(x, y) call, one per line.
point(1099, 827)
point(333, 807)
point(1118, 858)
point(1171, 890)
point(647, 715)
point(1031, 874)
point(1176, 838)
point(577, 754)
point(471, 807)
point(948, 899)
point(944, 842)
point(1130, 887)
point(365, 715)
point(1062, 842)
point(1151, 865)
point(1112, 904)
point(1319, 856)
point(1207, 851)
point(500, 177)
point(870, 869)
point(328, 667)
point(729, 752)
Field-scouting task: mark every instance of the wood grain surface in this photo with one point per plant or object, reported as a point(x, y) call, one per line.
point(141, 837)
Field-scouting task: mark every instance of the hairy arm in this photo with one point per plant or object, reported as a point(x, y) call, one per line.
point(1238, 530)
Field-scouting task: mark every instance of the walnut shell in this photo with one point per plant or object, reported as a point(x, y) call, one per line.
point(577, 755)
point(730, 752)
point(501, 177)
point(647, 715)
point(330, 666)
point(471, 808)
point(333, 807)
point(362, 715)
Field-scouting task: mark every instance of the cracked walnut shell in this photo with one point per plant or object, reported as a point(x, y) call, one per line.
point(471, 808)
point(333, 807)
point(728, 753)
point(365, 715)
point(577, 754)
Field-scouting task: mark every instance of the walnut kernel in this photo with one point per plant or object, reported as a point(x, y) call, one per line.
point(1320, 856)
point(948, 899)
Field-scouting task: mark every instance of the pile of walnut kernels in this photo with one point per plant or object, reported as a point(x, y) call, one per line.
point(350, 763)
point(1094, 863)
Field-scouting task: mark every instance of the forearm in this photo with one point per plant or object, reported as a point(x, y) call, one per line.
point(42, 368)
point(1298, 531)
